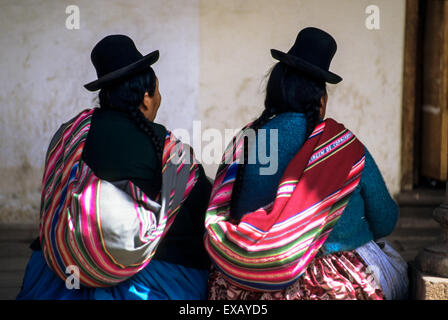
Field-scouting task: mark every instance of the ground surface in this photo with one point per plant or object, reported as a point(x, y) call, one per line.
point(415, 229)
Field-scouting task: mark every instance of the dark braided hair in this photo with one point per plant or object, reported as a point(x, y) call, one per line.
point(128, 96)
point(287, 91)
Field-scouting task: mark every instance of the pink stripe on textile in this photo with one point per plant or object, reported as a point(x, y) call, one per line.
point(261, 275)
point(57, 152)
point(68, 259)
point(288, 220)
point(86, 205)
point(223, 195)
point(104, 260)
point(51, 163)
point(86, 186)
point(280, 227)
point(267, 243)
point(88, 208)
point(309, 226)
point(55, 202)
point(263, 259)
point(307, 257)
point(90, 234)
point(180, 168)
point(297, 247)
point(66, 173)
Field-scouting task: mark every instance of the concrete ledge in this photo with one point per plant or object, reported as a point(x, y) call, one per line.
point(428, 287)
point(421, 197)
point(18, 232)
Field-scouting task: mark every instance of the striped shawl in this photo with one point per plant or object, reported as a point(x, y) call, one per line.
point(270, 248)
point(110, 231)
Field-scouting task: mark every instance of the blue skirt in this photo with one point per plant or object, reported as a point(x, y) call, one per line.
point(158, 281)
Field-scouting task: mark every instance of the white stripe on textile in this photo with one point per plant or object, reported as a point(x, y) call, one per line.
point(388, 267)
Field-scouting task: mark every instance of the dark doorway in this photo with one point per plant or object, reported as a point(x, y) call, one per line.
point(425, 95)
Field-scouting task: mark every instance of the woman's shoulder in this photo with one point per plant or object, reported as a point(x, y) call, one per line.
point(291, 131)
point(115, 135)
point(371, 178)
point(121, 123)
point(286, 119)
point(369, 161)
point(159, 129)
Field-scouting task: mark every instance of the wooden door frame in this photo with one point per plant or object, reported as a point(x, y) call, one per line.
point(412, 91)
point(411, 95)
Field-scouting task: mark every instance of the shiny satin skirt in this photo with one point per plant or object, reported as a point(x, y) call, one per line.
point(159, 280)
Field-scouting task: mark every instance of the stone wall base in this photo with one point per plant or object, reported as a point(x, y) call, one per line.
point(428, 287)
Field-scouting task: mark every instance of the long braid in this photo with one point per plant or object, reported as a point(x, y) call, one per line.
point(304, 97)
point(145, 125)
point(237, 186)
point(127, 97)
point(312, 114)
point(286, 91)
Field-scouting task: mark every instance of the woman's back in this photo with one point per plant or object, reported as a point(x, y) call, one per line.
point(370, 214)
point(329, 200)
point(259, 190)
point(116, 149)
point(100, 207)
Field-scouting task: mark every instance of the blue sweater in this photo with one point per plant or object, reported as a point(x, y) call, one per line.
point(370, 214)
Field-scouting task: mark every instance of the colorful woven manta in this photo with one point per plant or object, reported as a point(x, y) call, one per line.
point(270, 248)
point(110, 231)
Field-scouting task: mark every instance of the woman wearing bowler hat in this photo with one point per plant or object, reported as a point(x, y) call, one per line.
point(123, 200)
point(314, 229)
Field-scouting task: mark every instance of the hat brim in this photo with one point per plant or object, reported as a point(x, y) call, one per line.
point(307, 68)
point(124, 72)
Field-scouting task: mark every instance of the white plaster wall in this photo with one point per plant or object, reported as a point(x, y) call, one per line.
point(213, 66)
point(236, 38)
point(44, 65)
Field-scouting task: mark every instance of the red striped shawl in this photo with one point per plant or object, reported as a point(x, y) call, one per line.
point(270, 248)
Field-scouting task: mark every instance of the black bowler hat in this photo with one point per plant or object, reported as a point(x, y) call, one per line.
point(115, 58)
point(311, 54)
